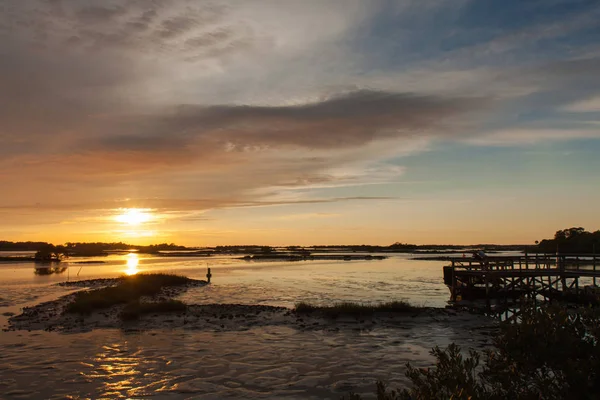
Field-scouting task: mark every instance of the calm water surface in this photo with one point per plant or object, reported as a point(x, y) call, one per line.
point(234, 280)
point(267, 362)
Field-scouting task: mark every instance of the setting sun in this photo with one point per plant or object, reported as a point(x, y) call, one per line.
point(133, 216)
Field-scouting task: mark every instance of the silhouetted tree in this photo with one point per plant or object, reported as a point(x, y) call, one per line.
point(571, 240)
point(50, 253)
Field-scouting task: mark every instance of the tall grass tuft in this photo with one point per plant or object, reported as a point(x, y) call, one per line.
point(350, 308)
point(135, 309)
point(128, 290)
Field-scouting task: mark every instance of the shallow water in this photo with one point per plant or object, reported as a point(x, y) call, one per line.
point(235, 280)
point(265, 362)
point(269, 362)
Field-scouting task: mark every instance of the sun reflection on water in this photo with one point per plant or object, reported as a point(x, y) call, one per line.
point(118, 367)
point(132, 264)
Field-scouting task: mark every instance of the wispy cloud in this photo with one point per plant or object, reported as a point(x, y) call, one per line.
point(295, 217)
point(190, 106)
point(588, 105)
point(517, 137)
point(351, 119)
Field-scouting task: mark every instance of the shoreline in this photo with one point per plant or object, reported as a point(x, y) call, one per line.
point(50, 316)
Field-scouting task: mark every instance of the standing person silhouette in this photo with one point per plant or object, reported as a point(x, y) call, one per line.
point(482, 257)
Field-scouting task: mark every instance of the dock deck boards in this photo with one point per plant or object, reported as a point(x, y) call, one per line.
point(570, 276)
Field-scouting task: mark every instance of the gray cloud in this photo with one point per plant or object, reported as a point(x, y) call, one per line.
point(176, 26)
point(91, 96)
point(142, 27)
point(99, 14)
point(347, 120)
point(209, 39)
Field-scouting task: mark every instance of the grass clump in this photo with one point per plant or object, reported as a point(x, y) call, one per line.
point(350, 308)
point(304, 307)
point(135, 309)
point(128, 290)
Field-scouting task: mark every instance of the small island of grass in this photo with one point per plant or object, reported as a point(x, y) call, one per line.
point(150, 301)
point(130, 291)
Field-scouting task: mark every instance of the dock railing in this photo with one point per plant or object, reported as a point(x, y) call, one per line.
point(564, 275)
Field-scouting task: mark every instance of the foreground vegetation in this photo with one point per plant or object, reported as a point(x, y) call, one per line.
point(553, 353)
point(349, 308)
point(129, 291)
point(136, 309)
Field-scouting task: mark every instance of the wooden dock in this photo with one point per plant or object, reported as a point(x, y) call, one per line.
point(570, 277)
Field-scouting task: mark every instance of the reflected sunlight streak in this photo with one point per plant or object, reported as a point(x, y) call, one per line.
point(117, 368)
point(132, 264)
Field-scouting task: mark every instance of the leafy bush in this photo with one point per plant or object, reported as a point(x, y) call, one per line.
point(454, 377)
point(551, 354)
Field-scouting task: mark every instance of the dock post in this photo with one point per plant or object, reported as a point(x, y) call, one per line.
point(560, 264)
point(487, 292)
point(208, 275)
point(594, 262)
point(453, 283)
point(577, 278)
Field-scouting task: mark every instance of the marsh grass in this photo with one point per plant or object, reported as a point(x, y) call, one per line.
point(135, 309)
point(350, 308)
point(128, 290)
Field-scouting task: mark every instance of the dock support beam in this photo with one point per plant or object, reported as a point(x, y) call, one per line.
point(594, 263)
point(487, 291)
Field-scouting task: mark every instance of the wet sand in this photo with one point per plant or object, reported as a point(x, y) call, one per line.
point(271, 362)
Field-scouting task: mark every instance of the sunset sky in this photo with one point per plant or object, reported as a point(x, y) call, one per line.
point(298, 122)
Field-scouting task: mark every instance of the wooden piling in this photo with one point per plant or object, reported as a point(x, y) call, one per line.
point(577, 278)
point(487, 291)
point(594, 263)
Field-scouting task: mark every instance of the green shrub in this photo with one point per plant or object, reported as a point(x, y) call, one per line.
point(553, 353)
point(453, 377)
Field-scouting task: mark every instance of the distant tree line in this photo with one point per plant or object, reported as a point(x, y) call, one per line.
point(21, 246)
point(246, 248)
point(571, 240)
point(101, 248)
point(48, 250)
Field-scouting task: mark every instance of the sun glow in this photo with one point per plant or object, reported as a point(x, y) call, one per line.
point(132, 264)
point(134, 216)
